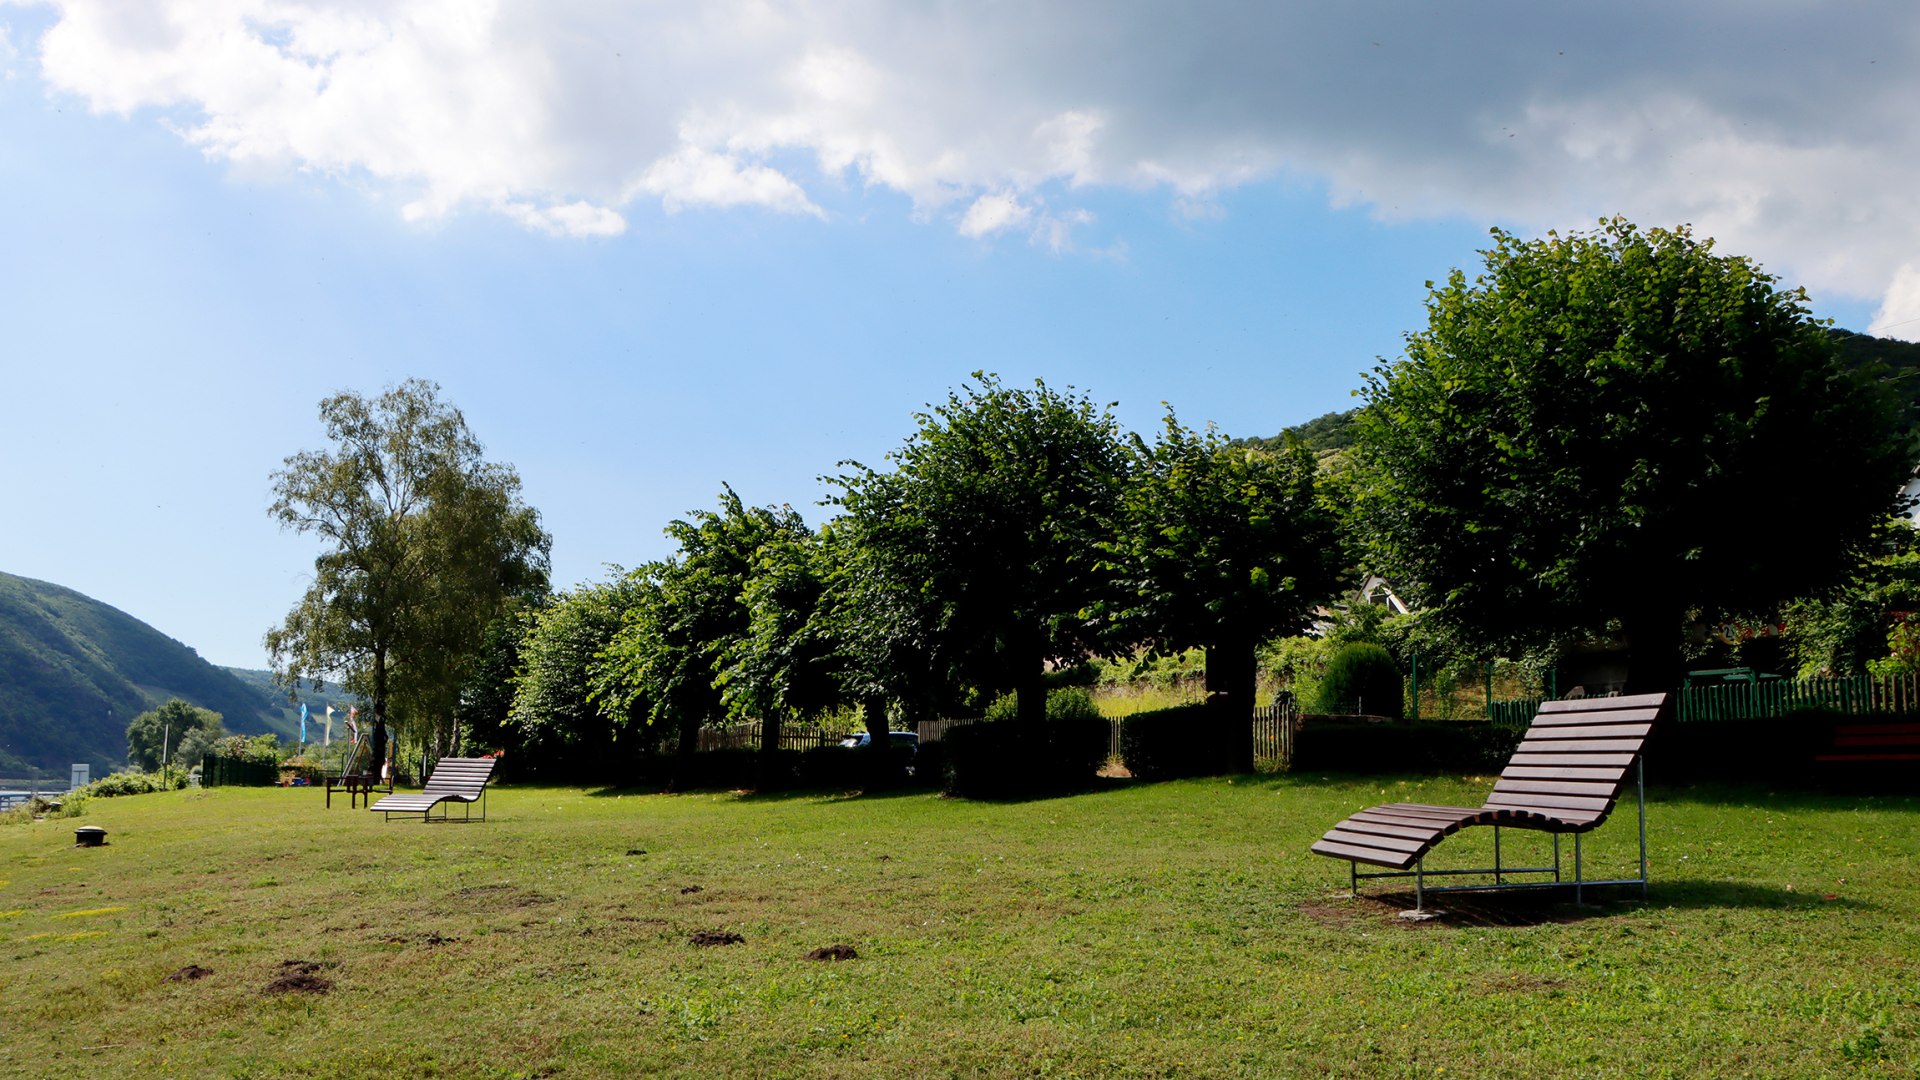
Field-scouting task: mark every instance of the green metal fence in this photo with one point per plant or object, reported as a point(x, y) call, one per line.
point(1760, 699)
point(218, 771)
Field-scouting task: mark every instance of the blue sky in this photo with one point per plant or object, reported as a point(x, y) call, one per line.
point(736, 281)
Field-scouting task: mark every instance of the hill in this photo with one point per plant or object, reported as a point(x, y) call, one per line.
point(74, 671)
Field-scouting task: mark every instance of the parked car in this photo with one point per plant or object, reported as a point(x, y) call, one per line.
point(899, 740)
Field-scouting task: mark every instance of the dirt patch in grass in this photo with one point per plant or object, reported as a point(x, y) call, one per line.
point(298, 977)
point(1530, 908)
point(833, 952)
point(189, 973)
point(716, 937)
point(691, 889)
point(430, 939)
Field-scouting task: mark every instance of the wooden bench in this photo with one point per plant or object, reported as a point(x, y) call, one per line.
point(358, 786)
point(1564, 777)
point(1867, 743)
point(454, 780)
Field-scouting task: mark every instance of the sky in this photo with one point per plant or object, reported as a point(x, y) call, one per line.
point(654, 249)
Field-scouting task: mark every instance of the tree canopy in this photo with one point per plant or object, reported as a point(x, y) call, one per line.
point(1619, 427)
point(1223, 547)
point(176, 731)
point(425, 543)
point(992, 523)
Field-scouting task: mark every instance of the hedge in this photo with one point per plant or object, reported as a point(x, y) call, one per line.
point(1164, 744)
point(998, 759)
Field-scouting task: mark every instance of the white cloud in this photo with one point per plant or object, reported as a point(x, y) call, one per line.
point(1899, 314)
point(1783, 129)
point(994, 213)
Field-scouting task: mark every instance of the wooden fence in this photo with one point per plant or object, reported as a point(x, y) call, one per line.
point(747, 737)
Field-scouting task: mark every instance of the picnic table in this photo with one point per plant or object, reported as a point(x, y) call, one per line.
point(358, 786)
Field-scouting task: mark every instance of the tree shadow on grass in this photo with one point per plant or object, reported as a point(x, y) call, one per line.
point(1536, 907)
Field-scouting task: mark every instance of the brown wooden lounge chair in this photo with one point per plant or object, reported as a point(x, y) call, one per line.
point(454, 779)
point(1564, 777)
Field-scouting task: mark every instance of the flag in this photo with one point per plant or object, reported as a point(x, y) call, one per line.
point(303, 723)
point(327, 735)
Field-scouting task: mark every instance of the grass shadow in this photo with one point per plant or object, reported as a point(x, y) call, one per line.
point(1538, 907)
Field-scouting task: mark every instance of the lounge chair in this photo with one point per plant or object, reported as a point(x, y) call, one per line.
point(1564, 777)
point(461, 780)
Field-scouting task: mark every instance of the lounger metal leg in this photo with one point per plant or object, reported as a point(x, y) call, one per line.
point(1353, 879)
point(1640, 781)
point(1420, 885)
point(1579, 875)
point(1556, 856)
point(1496, 855)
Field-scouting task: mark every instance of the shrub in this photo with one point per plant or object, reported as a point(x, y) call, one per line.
point(1362, 746)
point(135, 783)
point(1063, 703)
point(1362, 678)
point(1009, 759)
point(1163, 744)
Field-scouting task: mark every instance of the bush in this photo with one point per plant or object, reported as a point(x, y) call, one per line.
point(134, 783)
point(1063, 703)
point(1008, 759)
point(1362, 678)
point(1163, 744)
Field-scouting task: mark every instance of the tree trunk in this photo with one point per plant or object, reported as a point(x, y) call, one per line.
point(1031, 690)
point(1230, 684)
point(769, 760)
point(1655, 662)
point(689, 743)
point(879, 768)
point(378, 765)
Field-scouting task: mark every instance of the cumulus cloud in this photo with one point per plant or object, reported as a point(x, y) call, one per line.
point(1783, 129)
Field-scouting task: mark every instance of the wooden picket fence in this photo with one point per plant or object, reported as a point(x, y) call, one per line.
point(747, 737)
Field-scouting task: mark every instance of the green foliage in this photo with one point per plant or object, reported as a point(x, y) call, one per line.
point(557, 720)
point(427, 543)
point(1574, 434)
point(131, 783)
point(256, 749)
point(1332, 431)
point(1296, 664)
point(1063, 703)
point(180, 731)
point(1165, 744)
point(1362, 678)
point(986, 536)
point(1016, 758)
point(1868, 624)
point(669, 661)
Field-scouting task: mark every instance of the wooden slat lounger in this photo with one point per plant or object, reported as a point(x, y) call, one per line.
point(1564, 777)
point(461, 780)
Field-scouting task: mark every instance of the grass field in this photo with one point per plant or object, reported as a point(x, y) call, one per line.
point(1178, 929)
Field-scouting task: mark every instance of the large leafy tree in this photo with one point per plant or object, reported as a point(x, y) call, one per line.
point(555, 717)
point(1613, 429)
point(789, 660)
point(1224, 547)
point(425, 543)
point(176, 731)
point(667, 661)
point(996, 508)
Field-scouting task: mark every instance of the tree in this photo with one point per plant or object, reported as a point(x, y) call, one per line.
point(1224, 547)
point(997, 506)
point(789, 660)
point(1617, 428)
point(556, 715)
point(667, 660)
point(156, 736)
point(426, 543)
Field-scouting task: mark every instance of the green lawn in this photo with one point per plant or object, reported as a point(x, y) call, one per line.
point(1178, 929)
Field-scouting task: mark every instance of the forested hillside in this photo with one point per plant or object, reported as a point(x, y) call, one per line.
point(74, 671)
